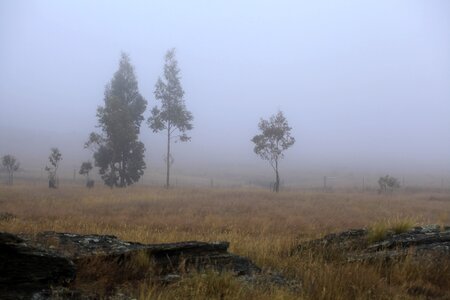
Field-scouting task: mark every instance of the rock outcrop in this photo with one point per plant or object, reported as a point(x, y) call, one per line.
point(25, 270)
point(30, 264)
point(98, 256)
point(430, 241)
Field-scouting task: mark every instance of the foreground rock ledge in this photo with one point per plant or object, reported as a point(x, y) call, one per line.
point(422, 242)
point(30, 264)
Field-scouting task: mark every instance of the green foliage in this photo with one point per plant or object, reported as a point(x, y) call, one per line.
point(274, 139)
point(117, 151)
point(54, 158)
point(388, 183)
point(10, 164)
point(85, 168)
point(172, 115)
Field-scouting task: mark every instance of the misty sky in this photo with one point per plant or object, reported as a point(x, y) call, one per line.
point(364, 84)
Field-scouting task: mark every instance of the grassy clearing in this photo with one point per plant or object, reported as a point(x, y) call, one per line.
point(259, 224)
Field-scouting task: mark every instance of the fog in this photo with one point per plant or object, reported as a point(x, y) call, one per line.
point(365, 85)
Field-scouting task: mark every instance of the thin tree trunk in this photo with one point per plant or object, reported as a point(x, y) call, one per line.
point(168, 157)
point(122, 179)
point(277, 179)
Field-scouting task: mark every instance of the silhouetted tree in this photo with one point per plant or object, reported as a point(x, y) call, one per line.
point(275, 137)
point(11, 165)
point(388, 183)
point(85, 168)
point(117, 151)
point(172, 115)
point(54, 158)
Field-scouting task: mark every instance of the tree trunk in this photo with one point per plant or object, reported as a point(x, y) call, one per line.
point(277, 178)
point(168, 157)
point(122, 172)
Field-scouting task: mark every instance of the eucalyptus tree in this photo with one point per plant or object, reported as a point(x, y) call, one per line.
point(11, 165)
point(85, 169)
point(388, 183)
point(274, 139)
point(118, 152)
point(54, 158)
point(171, 116)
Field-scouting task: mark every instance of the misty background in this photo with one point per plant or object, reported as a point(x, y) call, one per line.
point(364, 84)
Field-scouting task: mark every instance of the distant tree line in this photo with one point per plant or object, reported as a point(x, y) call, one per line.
point(119, 154)
point(117, 151)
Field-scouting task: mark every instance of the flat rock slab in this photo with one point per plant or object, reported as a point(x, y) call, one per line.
point(164, 259)
point(432, 241)
point(97, 264)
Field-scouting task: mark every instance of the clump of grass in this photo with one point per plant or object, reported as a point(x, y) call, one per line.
point(210, 285)
point(379, 230)
point(401, 225)
point(140, 262)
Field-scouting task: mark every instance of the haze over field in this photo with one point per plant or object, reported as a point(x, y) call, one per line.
point(365, 85)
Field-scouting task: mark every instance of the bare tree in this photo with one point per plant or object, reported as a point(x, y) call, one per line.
point(11, 165)
point(274, 139)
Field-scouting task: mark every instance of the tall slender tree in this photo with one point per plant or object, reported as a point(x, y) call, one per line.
point(117, 150)
point(274, 139)
point(171, 116)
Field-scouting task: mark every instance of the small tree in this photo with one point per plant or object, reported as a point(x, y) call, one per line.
point(85, 168)
point(54, 158)
point(388, 183)
point(11, 165)
point(172, 114)
point(274, 139)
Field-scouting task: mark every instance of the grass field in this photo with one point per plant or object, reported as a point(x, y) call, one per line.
point(259, 224)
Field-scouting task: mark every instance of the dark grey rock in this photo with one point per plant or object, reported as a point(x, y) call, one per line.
point(170, 258)
point(429, 242)
point(91, 266)
point(26, 270)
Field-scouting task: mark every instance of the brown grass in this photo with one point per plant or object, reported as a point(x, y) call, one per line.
point(259, 224)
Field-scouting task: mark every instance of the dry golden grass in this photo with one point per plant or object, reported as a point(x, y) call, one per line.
point(259, 224)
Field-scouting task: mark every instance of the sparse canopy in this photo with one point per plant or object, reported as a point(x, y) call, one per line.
point(117, 151)
point(85, 169)
point(54, 158)
point(388, 183)
point(11, 165)
point(172, 115)
point(274, 139)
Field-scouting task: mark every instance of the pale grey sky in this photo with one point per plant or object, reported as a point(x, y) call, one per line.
point(364, 84)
